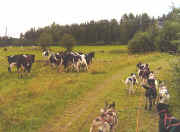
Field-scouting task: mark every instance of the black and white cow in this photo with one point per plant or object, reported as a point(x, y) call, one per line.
point(89, 57)
point(72, 61)
point(23, 62)
point(56, 58)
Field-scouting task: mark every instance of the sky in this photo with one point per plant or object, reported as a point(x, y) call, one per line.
point(20, 15)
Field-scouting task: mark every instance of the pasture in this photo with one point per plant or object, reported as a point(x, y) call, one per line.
point(49, 101)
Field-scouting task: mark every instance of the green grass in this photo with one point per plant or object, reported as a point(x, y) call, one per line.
point(28, 104)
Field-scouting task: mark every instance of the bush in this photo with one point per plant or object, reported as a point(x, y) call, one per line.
point(141, 42)
point(45, 39)
point(68, 42)
point(165, 40)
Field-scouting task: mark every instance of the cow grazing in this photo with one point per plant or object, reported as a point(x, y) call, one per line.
point(89, 57)
point(56, 59)
point(82, 62)
point(107, 121)
point(23, 62)
point(167, 123)
point(75, 61)
point(71, 61)
point(131, 81)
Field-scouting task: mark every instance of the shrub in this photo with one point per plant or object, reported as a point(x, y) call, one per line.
point(141, 42)
point(68, 42)
point(165, 40)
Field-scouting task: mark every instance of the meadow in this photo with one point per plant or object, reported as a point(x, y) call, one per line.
point(50, 101)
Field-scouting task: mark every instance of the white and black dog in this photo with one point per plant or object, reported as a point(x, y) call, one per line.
point(164, 95)
point(45, 53)
point(131, 81)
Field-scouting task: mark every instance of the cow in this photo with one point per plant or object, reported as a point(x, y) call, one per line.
point(23, 62)
point(167, 123)
point(82, 62)
point(75, 61)
point(89, 57)
point(12, 60)
point(107, 121)
point(56, 59)
point(131, 81)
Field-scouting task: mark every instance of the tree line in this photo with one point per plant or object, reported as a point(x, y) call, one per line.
point(89, 33)
point(166, 38)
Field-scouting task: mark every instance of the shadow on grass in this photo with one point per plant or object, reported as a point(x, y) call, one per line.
point(118, 51)
point(98, 72)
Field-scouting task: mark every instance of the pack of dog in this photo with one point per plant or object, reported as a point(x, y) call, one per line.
point(107, 121)
point(131, 82)
point(167, 123)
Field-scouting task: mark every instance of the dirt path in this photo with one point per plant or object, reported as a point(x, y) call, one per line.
point(81, 113)
point(74, 112)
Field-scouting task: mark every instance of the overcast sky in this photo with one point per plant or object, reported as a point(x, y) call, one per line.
point(20, 15)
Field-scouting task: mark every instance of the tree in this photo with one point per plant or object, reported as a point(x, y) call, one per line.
point(45, 39)
point(165, 41)
point(68, 42)
point(141, 42)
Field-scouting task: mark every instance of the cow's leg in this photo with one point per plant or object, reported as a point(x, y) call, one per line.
point(19, 70)
point(129, 89)
point(77, 67)
point(86, 66)
point(11, 66)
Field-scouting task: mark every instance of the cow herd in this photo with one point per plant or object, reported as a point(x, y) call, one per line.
point(69, 60)
point(72, 61)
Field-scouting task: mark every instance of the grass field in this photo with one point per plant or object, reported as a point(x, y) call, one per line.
point(49, 101)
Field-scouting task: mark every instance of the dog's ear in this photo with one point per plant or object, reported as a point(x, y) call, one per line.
point(113, 104)
point(106, 104)
point(131, 74)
